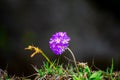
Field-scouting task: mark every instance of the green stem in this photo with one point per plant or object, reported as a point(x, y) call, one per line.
point(48, 60)
point(73, 59)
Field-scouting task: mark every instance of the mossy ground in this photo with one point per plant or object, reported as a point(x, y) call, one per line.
point(68, 72)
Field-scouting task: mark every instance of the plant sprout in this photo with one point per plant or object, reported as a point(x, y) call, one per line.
point(37, 50)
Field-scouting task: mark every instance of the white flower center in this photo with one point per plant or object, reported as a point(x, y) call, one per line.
point(57, 40)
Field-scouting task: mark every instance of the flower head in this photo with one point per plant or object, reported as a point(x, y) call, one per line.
point(59, 42)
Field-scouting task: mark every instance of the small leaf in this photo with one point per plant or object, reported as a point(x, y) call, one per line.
point(96, 76)
point(112, 67)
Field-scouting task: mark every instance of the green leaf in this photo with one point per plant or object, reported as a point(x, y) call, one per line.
point(96, 76)
point(87, 70)
point(112, 65)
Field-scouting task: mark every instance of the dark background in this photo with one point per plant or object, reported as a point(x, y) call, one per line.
point(94, 28)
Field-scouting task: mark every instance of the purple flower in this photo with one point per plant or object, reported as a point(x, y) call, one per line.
point(59, 42)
